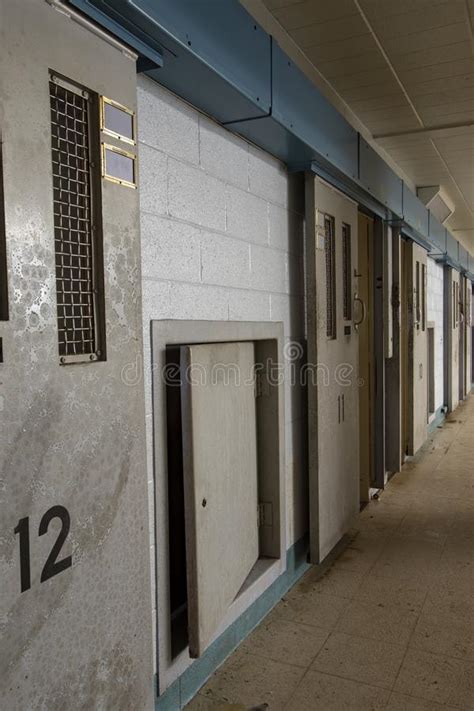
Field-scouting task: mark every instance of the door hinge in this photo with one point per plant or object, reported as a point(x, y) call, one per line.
point(265, 514)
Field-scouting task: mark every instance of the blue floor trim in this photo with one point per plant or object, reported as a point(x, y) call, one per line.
point(189, 683)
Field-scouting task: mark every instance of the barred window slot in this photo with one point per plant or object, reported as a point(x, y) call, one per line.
point(347, 271)
point(330, 250)
point(77, 222)
point(3, 250)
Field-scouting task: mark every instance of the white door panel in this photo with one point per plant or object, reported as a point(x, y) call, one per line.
point(220, 480)
point(333, 395)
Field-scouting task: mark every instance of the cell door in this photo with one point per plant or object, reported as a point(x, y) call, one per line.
point(405, 270)
point(452, 337)
point(366, 365)
point(334, 312)
point(417, 348)
point(220, 480)
point(468, 330)
point(462, 337)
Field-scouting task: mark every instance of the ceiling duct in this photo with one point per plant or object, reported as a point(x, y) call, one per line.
point(436, 201)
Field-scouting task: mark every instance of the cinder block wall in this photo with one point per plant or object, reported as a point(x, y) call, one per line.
point(434, 294)
point(222, 234)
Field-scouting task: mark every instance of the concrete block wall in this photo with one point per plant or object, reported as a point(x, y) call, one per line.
point(222, 233)
point(434, 306)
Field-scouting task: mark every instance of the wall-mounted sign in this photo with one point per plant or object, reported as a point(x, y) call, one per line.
point(117, 120)
point(118, 166)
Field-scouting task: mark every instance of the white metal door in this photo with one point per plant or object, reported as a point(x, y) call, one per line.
point(418, 349)
point(220, 480)
point(334, 309)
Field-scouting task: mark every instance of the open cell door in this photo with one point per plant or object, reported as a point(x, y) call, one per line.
point(220, 480)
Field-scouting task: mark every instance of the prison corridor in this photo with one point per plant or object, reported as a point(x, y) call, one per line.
point(390, 625)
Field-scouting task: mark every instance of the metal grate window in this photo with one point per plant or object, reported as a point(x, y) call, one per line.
point(77, 227)
point(330, 250)
point(3, 250)
point(347, 271)
point(454, 305)
point(423, 297)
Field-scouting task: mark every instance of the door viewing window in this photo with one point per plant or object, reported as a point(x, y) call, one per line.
point(330, 249)
point(347, 271)
point(77, 222)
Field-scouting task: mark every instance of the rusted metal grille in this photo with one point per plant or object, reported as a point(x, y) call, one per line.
point(330, 250)
point(347, 271)
point(73, 224)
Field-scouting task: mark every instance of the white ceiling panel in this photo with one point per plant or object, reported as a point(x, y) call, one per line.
point(447, 97)
point(460, 49)
point(455, 68)
point(331, 31)
point(401, 67)
point(416, 20)
point(352, 47)
point(364, 78)
point(383, 8)
point(430, 39)
point(306, 13)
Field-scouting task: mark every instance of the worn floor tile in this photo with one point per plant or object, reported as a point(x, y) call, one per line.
point(409, 593)
point(446, 628)
point(336, 581)
point(402, 702)
point(437, 678)
point(252, 680)
point(285, 641)
point(390, 625)
point(369, 661)
point(405, 556)
point(321, 692)
point(381, 621)
point(315, 608)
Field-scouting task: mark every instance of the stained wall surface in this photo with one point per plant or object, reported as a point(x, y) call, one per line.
point(73, 435)
point(222, 239)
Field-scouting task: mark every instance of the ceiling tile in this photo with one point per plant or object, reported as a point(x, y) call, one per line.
point(388, 8)
point(446, 97)
point(370, 59)
point(352, 47)
point(305, 13)
point(412, 77)
point(416, 20)
point(332, 31)
point(435, 86)
point(433, 55)
point(365, 78)
point(431, 39)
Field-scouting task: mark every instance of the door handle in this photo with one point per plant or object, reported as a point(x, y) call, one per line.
point(363, 310)
point(339, 409)
point(343, 415)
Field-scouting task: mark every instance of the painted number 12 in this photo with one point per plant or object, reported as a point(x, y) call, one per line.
point(53, 566)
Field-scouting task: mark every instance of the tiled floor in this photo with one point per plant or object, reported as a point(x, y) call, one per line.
point(391, 625)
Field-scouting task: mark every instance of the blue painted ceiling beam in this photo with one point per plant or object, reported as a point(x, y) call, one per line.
point(214, 55)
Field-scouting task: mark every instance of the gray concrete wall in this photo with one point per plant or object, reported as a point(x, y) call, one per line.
point(222, 239)
point(70, 435)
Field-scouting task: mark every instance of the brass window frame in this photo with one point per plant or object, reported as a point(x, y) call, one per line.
point(108, 131)
point(112, 178)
